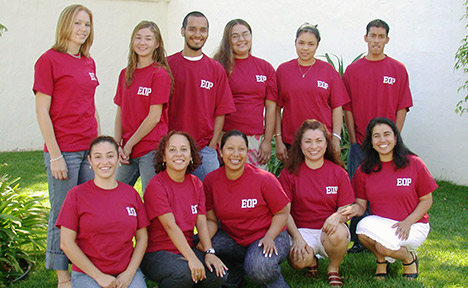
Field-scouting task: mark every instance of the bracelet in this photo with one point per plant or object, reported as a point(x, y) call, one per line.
point(55, 159)
point(63, 282)
point(336, 135)
point(277, 134)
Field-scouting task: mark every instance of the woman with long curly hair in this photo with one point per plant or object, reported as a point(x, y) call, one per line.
point(319, 187)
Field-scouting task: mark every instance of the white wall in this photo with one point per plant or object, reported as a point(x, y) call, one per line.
point(424, 36)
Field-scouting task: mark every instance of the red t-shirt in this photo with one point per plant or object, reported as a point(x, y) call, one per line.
point(184, 200)
point(201, 93)
point(150, 86)
point(71, 82)
point(316, 193)
point(394, 194)
point(252, 81)
point(312, 97)
point(377, 89)
point(244, 206)
point(105, 222)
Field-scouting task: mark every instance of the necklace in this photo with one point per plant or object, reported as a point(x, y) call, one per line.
point(75, 56)
point(300, 69)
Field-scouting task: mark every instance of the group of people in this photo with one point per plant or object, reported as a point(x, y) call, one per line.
point(179, 117)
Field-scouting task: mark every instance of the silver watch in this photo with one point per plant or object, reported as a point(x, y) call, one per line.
point(210, 251)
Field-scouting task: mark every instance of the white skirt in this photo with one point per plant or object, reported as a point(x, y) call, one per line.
point(380, 230)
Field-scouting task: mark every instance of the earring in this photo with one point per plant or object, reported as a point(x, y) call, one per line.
point(191, 162)
point(164, 164)
point(89, 167)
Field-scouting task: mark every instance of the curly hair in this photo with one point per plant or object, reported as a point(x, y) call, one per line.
point(371, 162)
point(160, 165)
point(295, 155)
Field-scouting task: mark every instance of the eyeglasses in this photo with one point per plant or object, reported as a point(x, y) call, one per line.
point(236, 37)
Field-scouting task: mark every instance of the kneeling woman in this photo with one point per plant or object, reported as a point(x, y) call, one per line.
point(399, 188)
point(98, 221)
point(318, 187)
point(253, 210)
point(175, 203)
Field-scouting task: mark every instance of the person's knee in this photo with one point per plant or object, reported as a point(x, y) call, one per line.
point(340, 237)
point(296, 265)
point(262, 271)
point(178, 278)
point(382, 250)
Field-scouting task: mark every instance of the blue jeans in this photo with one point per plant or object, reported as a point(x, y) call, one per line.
point(142, 166)
point(171, 270)
point(250, 260)
point(79, 171)
point(81, 280)
point(355, 158)
point(210, 162)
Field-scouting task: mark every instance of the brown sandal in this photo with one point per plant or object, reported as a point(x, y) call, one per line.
point(312, 271)
point(334, 279)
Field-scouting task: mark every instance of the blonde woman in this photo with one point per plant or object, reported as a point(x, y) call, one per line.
point(64, 84)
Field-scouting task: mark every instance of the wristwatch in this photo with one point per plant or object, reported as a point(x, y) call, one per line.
point(210, 251)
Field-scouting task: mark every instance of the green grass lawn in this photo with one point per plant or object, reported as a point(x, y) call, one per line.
point(443, 257)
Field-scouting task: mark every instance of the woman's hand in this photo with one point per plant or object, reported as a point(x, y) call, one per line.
point(212, 261)
point(299, 249)
point(59, 169)
point(268, 246)
point(331, 223)
point(106, 281)
point(264, 153)
point(123, 158)
point(281, 150)
point(124, 279)
point(197, 270)
point(403, 229)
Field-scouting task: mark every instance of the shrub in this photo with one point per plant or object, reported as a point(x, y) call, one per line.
point(23, 229)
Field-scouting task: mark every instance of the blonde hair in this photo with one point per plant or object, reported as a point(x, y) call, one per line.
point(159, 54)
point(64, 29)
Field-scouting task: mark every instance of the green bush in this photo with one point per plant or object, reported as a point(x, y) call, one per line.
point(23, 229)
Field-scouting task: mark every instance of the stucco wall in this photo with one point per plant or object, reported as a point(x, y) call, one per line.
point(424, 35)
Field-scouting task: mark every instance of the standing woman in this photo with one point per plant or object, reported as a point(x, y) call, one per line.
point(308, 88)
point(253, 211)
point(64, 85)
point(399, 189)
point(175, 203)
point(318, 187)
point(98, 221)
point(253, 85)
point(142, 97)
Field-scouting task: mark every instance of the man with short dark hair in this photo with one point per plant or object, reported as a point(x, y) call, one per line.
point(201, 94)
point(378, 87)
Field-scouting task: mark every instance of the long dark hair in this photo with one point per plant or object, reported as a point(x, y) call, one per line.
point(225, 54)
point(372, 161)
point(295, 155)
point(159, 164)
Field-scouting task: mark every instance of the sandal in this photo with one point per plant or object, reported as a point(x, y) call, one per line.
point(382, 276)
point(312, 271)
point(334, 279)
point(412, 276)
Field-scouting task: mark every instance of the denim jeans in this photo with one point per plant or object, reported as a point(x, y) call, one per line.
point(142, 166)
point(171, 270)
point(81, 280)
point(355, 158)
point(251, 261)
point(79, 171)
point(210, 162)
